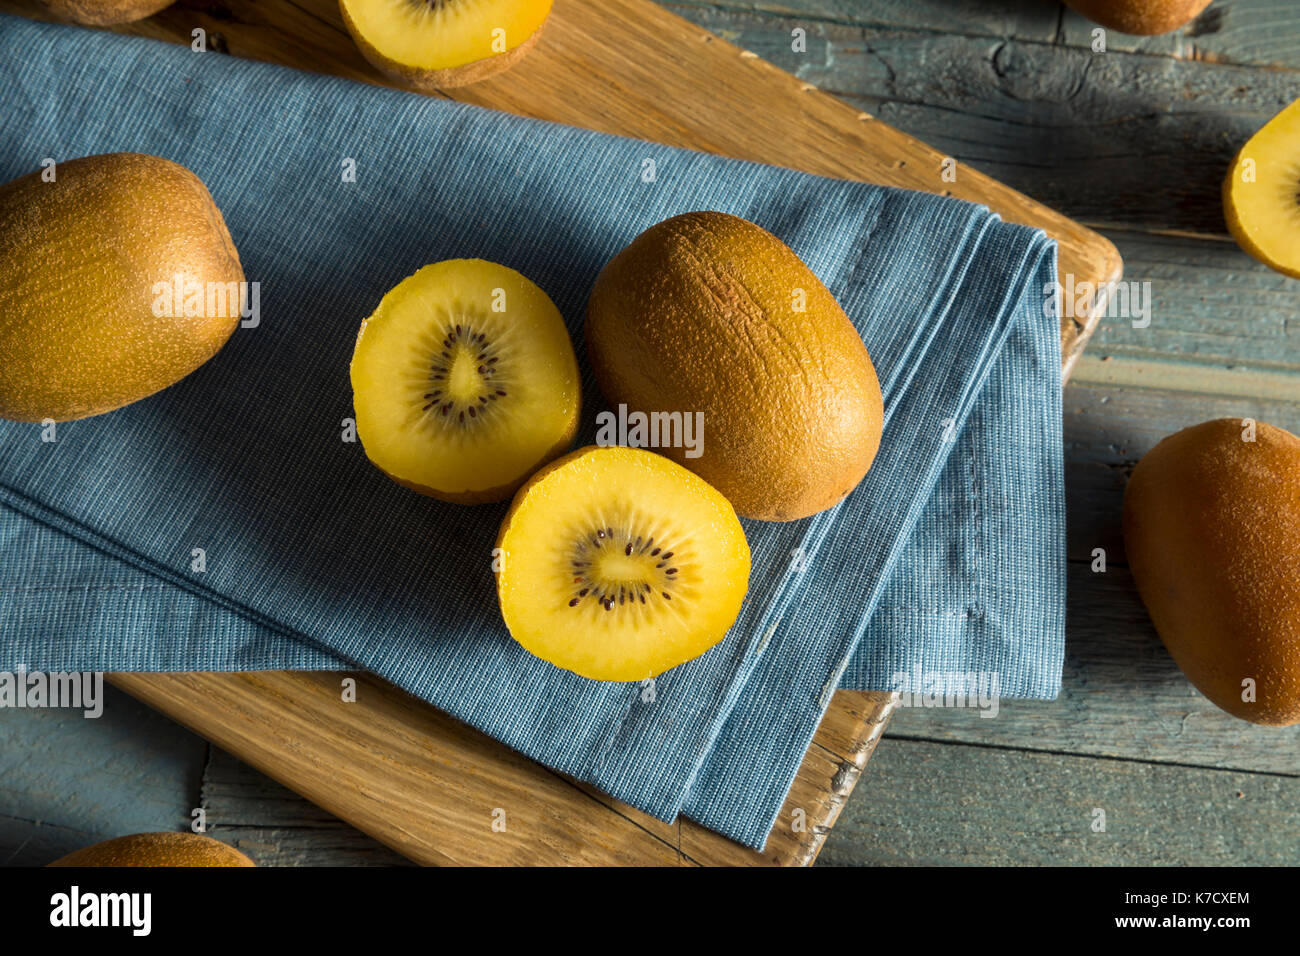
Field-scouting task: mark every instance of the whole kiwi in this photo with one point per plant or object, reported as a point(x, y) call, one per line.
point(157, 849)
point(709, 315)
point(102, 13)
point(1212, 533)
point(118, 278)
point(1140, 17)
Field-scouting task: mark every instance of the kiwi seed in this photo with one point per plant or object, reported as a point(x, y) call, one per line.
point(461, 339)
point(606, 593)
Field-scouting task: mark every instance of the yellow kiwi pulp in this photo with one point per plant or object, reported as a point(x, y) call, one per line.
point(464, 381)
point(1261, 193)
point(618, 564)
point(435, 44)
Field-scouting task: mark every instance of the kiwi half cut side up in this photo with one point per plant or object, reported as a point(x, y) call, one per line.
point(618, 564)
point(1261, 193)
point(464, 381)
point(428, 45)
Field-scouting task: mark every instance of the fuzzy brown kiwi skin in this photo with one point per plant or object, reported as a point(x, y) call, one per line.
point(430, 81)
point(1140, 17)
point(72, 275)
point(670, 326)
point(157, 849)
point(104, 13)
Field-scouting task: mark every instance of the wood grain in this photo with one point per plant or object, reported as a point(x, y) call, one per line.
point(433, 788)
point(935, 804)
point(1250, 32)
point(274, 826)
point(656, 66)
point(1135, 140)
point(1256, 32)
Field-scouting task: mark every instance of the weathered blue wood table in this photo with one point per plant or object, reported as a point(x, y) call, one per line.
point(1132, 142)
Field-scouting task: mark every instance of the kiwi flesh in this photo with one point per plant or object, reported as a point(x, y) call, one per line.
point(429, 45)
point(464, 381)
point(618, 564)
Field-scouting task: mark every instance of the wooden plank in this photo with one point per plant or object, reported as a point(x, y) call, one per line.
point(1108, 429)
point(1122, 695)
point(976, 18)
point(54, 764)
point(933, 804)
point(274, 826)
point(433, 788)
point(1110, 139)
point(1213, 306)
point(1246, 32)
point(405, 773)
point(589, 49)
point(1256, 32)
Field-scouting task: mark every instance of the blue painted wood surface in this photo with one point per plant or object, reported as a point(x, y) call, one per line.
point(1133, 142)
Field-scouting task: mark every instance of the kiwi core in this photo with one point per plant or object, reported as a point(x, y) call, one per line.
point(612, 568)
point(464, 377)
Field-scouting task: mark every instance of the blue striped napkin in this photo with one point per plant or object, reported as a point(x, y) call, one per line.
point(948, 559)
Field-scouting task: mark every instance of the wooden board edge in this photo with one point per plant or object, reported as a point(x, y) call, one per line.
point(823, 784)
point(208, 704)
point(1077, 332)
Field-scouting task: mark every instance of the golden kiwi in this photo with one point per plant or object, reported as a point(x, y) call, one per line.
point(617, 564)
point(157, 849)
point(117, 279)
point(1212, 532)
point(708, 313)
point(102, 13)
point(429, 45)
point(1261, 194)
point(1140, 17)
point(464, 381)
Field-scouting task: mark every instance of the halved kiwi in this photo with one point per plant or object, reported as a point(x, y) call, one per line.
point(464, 381)
point(1261, 193)
point(618, 564)
point(429, 45)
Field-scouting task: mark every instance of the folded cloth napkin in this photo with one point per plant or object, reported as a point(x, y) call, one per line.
point(948, 558)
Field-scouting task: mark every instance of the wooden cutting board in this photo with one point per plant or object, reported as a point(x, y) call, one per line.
point(402, 771)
